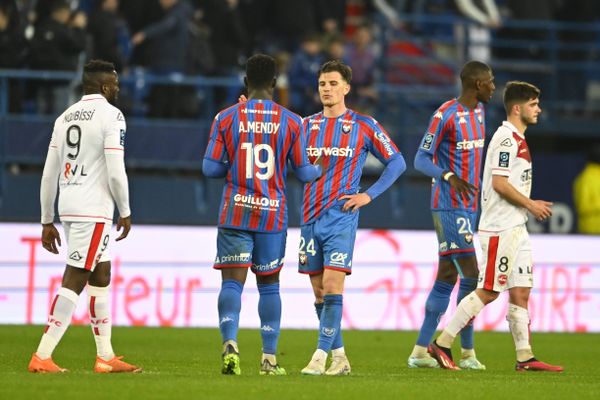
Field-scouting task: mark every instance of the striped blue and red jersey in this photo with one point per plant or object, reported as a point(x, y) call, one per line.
point(256, 138)
point(455, 138)
point(343, 143)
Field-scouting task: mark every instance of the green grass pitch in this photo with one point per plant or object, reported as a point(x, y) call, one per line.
point(185, 364)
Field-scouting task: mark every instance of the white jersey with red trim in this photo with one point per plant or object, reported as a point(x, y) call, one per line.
point(507, 155)
point(84, 137)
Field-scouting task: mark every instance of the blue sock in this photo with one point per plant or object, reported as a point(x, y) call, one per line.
point(331, 319)
point(435, 307)
point(337, 341)
point(230, 304)
point(269, 311)
point(467, 285)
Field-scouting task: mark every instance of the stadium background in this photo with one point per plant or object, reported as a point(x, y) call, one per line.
point(405, 56)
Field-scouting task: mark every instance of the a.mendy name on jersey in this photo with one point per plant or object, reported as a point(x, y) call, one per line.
point(259, 127)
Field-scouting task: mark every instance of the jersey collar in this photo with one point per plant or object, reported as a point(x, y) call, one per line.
point(95, 96)
point(513, 129)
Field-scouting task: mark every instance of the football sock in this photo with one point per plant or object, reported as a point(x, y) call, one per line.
point(269, 311)
point(419, 351)
point(467, 285)
point(468, 308)
point(229, 306)
point(100, 320)
point(59, 319)
point(435, 307)
point(338, 352)
point(518, 323)
point(331, 318)
point(338, 342)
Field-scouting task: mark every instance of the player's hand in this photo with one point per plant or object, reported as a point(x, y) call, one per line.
point(540, 209)
point(355, 201)
point(50, 238)
point(320, 163)
point(138, 38)
point(124, 223)
point(462, 187)
point(242, 98)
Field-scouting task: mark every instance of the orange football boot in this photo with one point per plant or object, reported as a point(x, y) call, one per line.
point(114, 365)
point(46, 366)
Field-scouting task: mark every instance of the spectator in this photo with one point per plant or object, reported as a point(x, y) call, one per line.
point(168, 41)
point(485, 15)
point(228, 40)
point(13, 50)
point(109, 34)
point(291, 22)
point(303, 71)
point(360, 54)
point(57, 43)
point(586, 194)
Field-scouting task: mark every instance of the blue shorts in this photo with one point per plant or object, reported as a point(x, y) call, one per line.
point(455, 233)
point(328, 242)
point(263, 252)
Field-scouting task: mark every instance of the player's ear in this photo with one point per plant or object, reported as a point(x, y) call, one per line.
point(347, 89)
point(246, 81)
point(274, 83)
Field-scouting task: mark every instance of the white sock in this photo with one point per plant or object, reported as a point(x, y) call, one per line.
point(269, 357)
point(339, 352)
point(467, 309)
point(320, 355)
point(518, 323)
point(419, 351)
point(100, 320)
point(59, 319)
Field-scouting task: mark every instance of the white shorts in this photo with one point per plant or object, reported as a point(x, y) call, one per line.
point(87, 243)
point(506, 260)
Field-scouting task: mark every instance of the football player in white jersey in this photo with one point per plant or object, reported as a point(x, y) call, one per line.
point(86, 162)
point(507, 263)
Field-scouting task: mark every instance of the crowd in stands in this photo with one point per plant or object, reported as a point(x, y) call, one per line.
point(214, 38)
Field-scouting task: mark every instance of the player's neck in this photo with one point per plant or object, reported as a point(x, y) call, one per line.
point(334, 111)
point(260, 94)
point(468, 101)
point(517, 123)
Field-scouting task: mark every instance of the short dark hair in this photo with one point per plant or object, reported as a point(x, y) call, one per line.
point(472, 70)
point(517, 92)
point(337, 66)
point(261, 69)
point(93, 71)
point(58, 5)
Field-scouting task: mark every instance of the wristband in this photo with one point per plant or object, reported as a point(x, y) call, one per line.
point(446, 176)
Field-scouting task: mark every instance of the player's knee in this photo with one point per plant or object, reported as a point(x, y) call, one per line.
point(267, 279)
point(75, 279)
point(446, 272)
point(487, 296)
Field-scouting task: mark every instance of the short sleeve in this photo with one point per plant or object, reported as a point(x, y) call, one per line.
point(434, 133)
point(216, 149)
point(115, 128)
point(381, 145)
point(503, 156)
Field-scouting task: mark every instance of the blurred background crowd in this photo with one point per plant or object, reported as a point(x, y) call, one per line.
point(180, 61)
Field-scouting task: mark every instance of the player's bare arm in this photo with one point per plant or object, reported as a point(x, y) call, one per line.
point(355, 201)
point(124, 223)
point(50, 238)
point(540, 209)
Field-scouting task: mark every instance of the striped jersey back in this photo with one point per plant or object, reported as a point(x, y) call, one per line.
point(256, 138)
